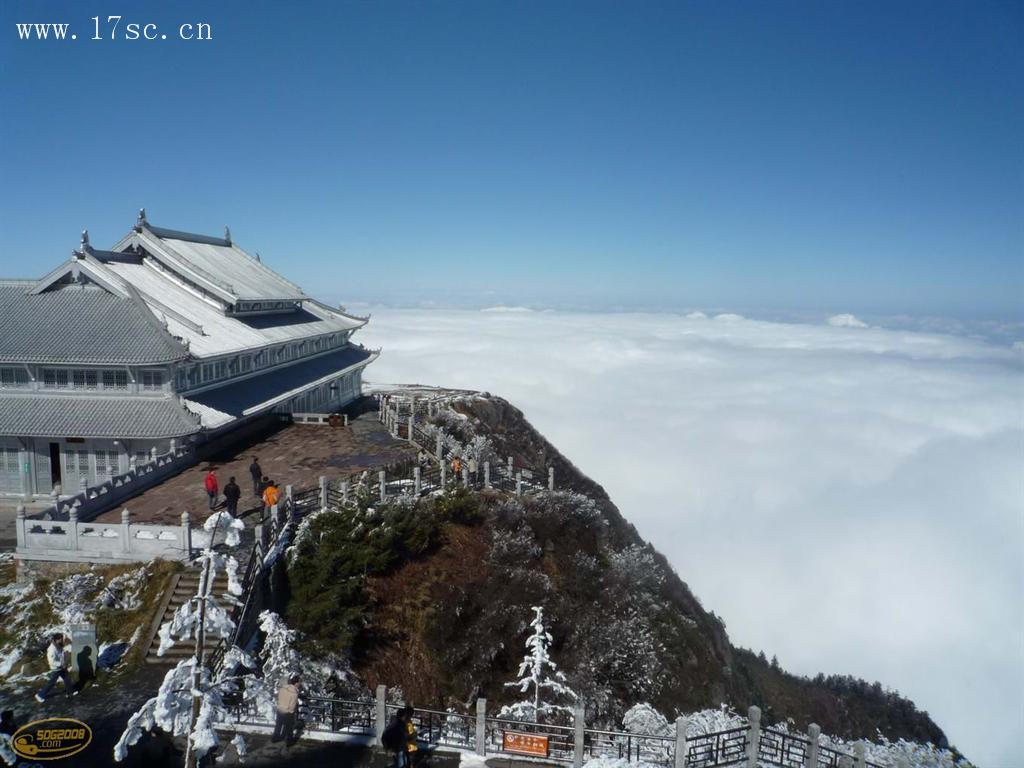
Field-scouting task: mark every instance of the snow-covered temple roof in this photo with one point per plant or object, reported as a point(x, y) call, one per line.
point(80, 323)
point(205, 292)
point(111, 417)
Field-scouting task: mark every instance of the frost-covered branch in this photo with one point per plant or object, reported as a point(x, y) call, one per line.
point(190, 700)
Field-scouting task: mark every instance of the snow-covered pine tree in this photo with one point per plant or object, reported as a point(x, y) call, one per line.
point(189, 701)
point(539, 673)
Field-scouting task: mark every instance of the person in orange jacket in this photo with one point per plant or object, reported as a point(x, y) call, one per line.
point(212, 489)
point(271, 496)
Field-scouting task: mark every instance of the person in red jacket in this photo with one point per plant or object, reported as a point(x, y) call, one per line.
point(211, 488)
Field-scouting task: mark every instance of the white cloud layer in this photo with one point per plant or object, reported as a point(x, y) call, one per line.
point(847, 321)
point(848, 498)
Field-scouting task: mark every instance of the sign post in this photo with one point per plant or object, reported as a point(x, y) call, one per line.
point(524, 744)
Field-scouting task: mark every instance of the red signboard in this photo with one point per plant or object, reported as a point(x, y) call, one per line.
point(524, 743)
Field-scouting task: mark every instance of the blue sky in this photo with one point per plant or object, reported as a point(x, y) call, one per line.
point(758, 156)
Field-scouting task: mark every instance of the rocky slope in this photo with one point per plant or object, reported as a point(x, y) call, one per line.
point(435, 596)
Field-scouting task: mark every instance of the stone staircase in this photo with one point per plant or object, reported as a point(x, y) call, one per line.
point(182, 588)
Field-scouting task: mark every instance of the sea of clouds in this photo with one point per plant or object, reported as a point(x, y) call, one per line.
point(846, 497)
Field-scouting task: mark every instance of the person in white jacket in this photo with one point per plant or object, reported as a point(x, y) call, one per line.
point(56, 659)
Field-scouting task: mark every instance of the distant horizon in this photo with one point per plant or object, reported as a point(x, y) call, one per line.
point(1002, 331)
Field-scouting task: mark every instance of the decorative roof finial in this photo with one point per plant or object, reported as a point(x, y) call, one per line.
point(227, 234)
point(85, 240)
point(142, 217)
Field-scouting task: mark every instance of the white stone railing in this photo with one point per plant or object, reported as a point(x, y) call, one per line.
point(101, 497)
point(75, 541)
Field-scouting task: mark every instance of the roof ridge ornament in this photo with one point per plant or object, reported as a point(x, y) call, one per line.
point(141, 221)
point(227, 234)
point(83, 246)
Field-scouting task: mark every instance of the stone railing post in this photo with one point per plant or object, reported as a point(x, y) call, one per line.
point(126, 522)
point(323, 492)
point(813, 734)
point(133, 465)
point(383, 485)
point(519, 483)
point(20, 525)
point(380, 717)
point(680, 756)
point(416, 479)
point(578, 724)
point(172, 446)
point(73, 528)
point(152, 453)
point(481, 727)
point(754, 737)
point(438, 448)
point(444, 474)
point(394, 425)
point(551, 478)
point(511, 466)
point(409, 437)
point(186, 535)
point(344, 419)
point(860, 752)
point(487, 474)
point(465, 476)
point(344, 492)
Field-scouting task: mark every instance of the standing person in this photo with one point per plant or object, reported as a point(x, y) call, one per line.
point(410, 737)
point(400, 737)
point(457, 467)
point(212, 489)
point(287, 706)
point(270, 497)
point(473, 468)
point(256, 472)
point(232, 493)
point(55, 658)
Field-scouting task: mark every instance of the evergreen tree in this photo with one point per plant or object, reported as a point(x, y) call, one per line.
point(539, 673)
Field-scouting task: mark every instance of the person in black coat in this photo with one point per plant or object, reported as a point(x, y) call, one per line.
point(232, 493)
point(256, 472)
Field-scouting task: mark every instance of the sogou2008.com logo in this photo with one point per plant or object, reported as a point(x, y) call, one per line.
point(51, 739)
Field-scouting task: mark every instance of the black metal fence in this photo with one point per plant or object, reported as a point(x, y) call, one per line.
point(785, 749)
point(458, 730)
point(721, 748)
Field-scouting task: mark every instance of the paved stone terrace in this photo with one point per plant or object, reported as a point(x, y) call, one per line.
point(297, 454)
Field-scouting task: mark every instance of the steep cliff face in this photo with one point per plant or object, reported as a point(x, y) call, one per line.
point(438, 602)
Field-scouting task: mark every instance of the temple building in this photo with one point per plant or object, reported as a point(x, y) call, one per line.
point(168, 337)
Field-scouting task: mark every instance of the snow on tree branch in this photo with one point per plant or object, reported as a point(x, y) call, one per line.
point(540, 673)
